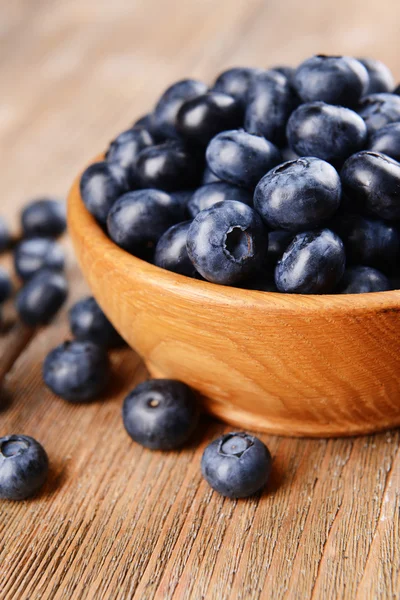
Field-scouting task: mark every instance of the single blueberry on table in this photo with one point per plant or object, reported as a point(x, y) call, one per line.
point(338, 80)
point(24, 467)
point(209, 177)
point(386, 141)
point(169, 167)
point(278, 241)
point(236, 465)
point(167, 107)
point(160, 414)
point(379, 110)
point(241, 158)
point(207, 196)
point(44, 217)
point(313, 263)
point(138, 219)
point(332, 133)
point(235, 82)
point(380, 76)
point(101, 185)
point(371, 181)
point(171, 252)
point(41, 297)
point(5, 285)
point(88, 322)
point(363, 280)
point(201, 118)
point(125, 149)
point(5, 236)
point(37, 253)
point(77, 371)
point(227, 243)
point(298, 195)
point(271, 100)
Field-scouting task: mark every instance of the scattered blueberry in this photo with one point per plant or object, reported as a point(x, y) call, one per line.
point(171, 252)
point(207, 196)
point(167, 107)
point(387, 141)
point(44, 218)
point(363, 280)
point(236, 465)
point(24, 467)
point(241, 158)
point(169, 167)
point(313, 264)
point(88, 322)
point(235, 82)
point(41, 297)
point(329, 132)
point(77, 371)
point(380, 77)
point(298, 195)
point(5, 237)
point(125, 149)
point(227, 243)
point(101, 185)
point(37, 253)
point(379, 110)
point(5, 285)
point(160, 414)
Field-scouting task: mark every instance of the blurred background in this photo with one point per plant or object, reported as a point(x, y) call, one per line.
point(76, 72)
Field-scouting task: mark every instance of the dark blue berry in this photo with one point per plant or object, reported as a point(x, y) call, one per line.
point(209, 177)
point(88, 322)
point(298, 195)
point(5, 285)
point(44, 217)
point(386, 141)
point(379, 110)
point(235, 82)
point(5, 236)
point(278, 241)
point(24, 467)
point(227, 243)
point(362, 280)
point(288, 72)
point(167, 107)
point(380, 77)
point(372, 181)
point(160, 414)
point(145, 121)
point(201, 118)
point(77, 371)
point(138, 219)
point(37, 253)
point(169, 166)
point(271, 100)
point(125, 149)
point(171, 252)
point(101, 185)
point(207, 196)
point(338, 80)
point(236, 465)
point(325, 131)
point(41, 297)
point(312, 264)
point(241, 158)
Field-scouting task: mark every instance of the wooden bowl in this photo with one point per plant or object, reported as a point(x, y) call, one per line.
point(287, 364)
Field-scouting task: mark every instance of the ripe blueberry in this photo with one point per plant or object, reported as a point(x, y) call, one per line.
point(44, 218)
point(125, 149)
point(379, 110)
point(386, 141)
point(169, 167)
point(88, 322)
point(207, 196)
point(363, 280)
point(23, 467)
point(41, 297)
point(380, 77)
point(37, 253)
point(235, 82)
point(167, 107)
point(171, 252)
point(101, 185)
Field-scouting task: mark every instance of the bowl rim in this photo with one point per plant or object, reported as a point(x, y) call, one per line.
point(79, 218)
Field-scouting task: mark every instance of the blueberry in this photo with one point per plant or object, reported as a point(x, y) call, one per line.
point(362, 280)
point(169, 167)
point(372, 181)
point(88, 322)
point(101, 185)
point(77, 371)
point(379, 110)
point(329, 132)
point(201, 118)
point(313, 264)
point(235, 82)
point(171, 252)
point(44, 217)
point(167, 107)
point(5, 285)
point(288, 72)
point(338, 80)
point(209, 177)
point(241, 158)
point(41, 297)
point(138, 219)
point(236, 465)
point(125, 149)
point(227, 242)
point(24, 467)
point(369, 242)
point(278, 241)
point(207, 196)
point(146, 121)
point(160, 414)
point(298, 195)
point(5, 236)
point(387, 141)
point(380, 77)
point(37, 253)
point(271, 100)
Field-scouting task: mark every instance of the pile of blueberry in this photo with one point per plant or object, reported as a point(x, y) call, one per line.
point(277, 180)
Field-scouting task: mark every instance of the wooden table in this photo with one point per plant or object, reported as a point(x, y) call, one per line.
point(115, 520)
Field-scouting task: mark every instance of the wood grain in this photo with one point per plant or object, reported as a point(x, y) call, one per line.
point(117, 521)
